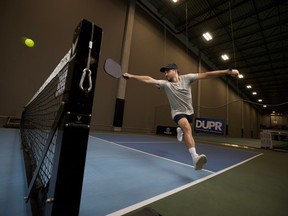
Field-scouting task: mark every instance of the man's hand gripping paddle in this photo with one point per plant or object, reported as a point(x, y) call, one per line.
point(112, 68)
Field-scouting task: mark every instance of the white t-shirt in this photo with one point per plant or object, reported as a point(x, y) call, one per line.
point(179, 94)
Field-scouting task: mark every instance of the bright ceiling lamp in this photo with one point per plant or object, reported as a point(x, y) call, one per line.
point(225, 57)
point(207, 36)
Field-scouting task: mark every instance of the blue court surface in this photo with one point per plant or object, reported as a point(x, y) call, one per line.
point(123, 171)
point(12, 174)
point(126, 171)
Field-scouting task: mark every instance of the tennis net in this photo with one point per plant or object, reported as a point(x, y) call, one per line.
point(38, 117)
point(55, 127)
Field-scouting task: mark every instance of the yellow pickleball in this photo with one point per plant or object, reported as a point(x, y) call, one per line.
point(29, 42)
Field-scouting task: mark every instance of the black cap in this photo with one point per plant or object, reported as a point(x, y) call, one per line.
point(168, 67)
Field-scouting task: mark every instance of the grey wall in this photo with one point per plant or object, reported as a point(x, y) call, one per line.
point(51, 24)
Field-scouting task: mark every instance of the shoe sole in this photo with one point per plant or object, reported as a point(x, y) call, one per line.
point(200, 163)
point(179, 135)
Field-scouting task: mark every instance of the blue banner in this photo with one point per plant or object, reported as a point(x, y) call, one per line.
point(212, 126)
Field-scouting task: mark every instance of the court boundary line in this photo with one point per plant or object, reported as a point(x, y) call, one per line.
point(153, 155)
point(176, 190)
point(173, 191)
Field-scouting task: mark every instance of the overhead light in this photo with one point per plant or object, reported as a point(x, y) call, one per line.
point(254, 93)
point(175, 1)
point(248, 86)
point(259, 100)
point(207, 36)
point(224, 57)
point(264, 105)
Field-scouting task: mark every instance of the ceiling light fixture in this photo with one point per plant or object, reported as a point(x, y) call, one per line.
point(254, 93)
point(225, 57)
point(248, 86)
point(207, 36)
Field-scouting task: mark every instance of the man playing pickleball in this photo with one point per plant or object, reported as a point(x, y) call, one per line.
point(178, 90)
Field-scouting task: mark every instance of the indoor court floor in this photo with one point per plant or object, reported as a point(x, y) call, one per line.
point(125, 172)
point(132, 170)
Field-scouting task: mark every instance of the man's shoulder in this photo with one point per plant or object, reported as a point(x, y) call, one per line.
point(163, 82)
point(189, 77)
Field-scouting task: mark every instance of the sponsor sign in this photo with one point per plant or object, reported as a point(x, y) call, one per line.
point(212, 126)
point(166, 130)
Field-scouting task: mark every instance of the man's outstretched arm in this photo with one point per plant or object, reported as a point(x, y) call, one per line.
point(218, 73)
point(145, 79)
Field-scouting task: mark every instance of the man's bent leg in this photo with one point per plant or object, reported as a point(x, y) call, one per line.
point(187, 133)
point(198, 160)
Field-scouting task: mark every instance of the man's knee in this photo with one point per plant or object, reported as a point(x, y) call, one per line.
point(185, 125)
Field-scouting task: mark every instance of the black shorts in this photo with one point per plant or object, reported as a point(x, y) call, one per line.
point(180, 116)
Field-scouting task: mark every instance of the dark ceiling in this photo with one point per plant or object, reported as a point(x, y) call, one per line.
point(253, 33)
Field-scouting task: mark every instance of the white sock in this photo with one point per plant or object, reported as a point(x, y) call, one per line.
point(192, 151)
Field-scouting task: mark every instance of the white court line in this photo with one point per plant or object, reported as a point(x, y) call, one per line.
point(168, 193)
point(163, 158)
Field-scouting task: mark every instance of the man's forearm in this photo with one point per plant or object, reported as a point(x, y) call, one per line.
point(218, 73)
point(145, 79)
point(140, 78)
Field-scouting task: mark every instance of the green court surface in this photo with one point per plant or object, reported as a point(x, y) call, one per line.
point(258, 187)
point(241, 142)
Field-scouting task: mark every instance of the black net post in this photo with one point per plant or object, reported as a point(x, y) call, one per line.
point(65, 186)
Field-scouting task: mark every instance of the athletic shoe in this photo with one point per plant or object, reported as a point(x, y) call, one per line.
point(179, 134)
point(199, 161)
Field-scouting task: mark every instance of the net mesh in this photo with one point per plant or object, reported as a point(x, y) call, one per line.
point(38, 118)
